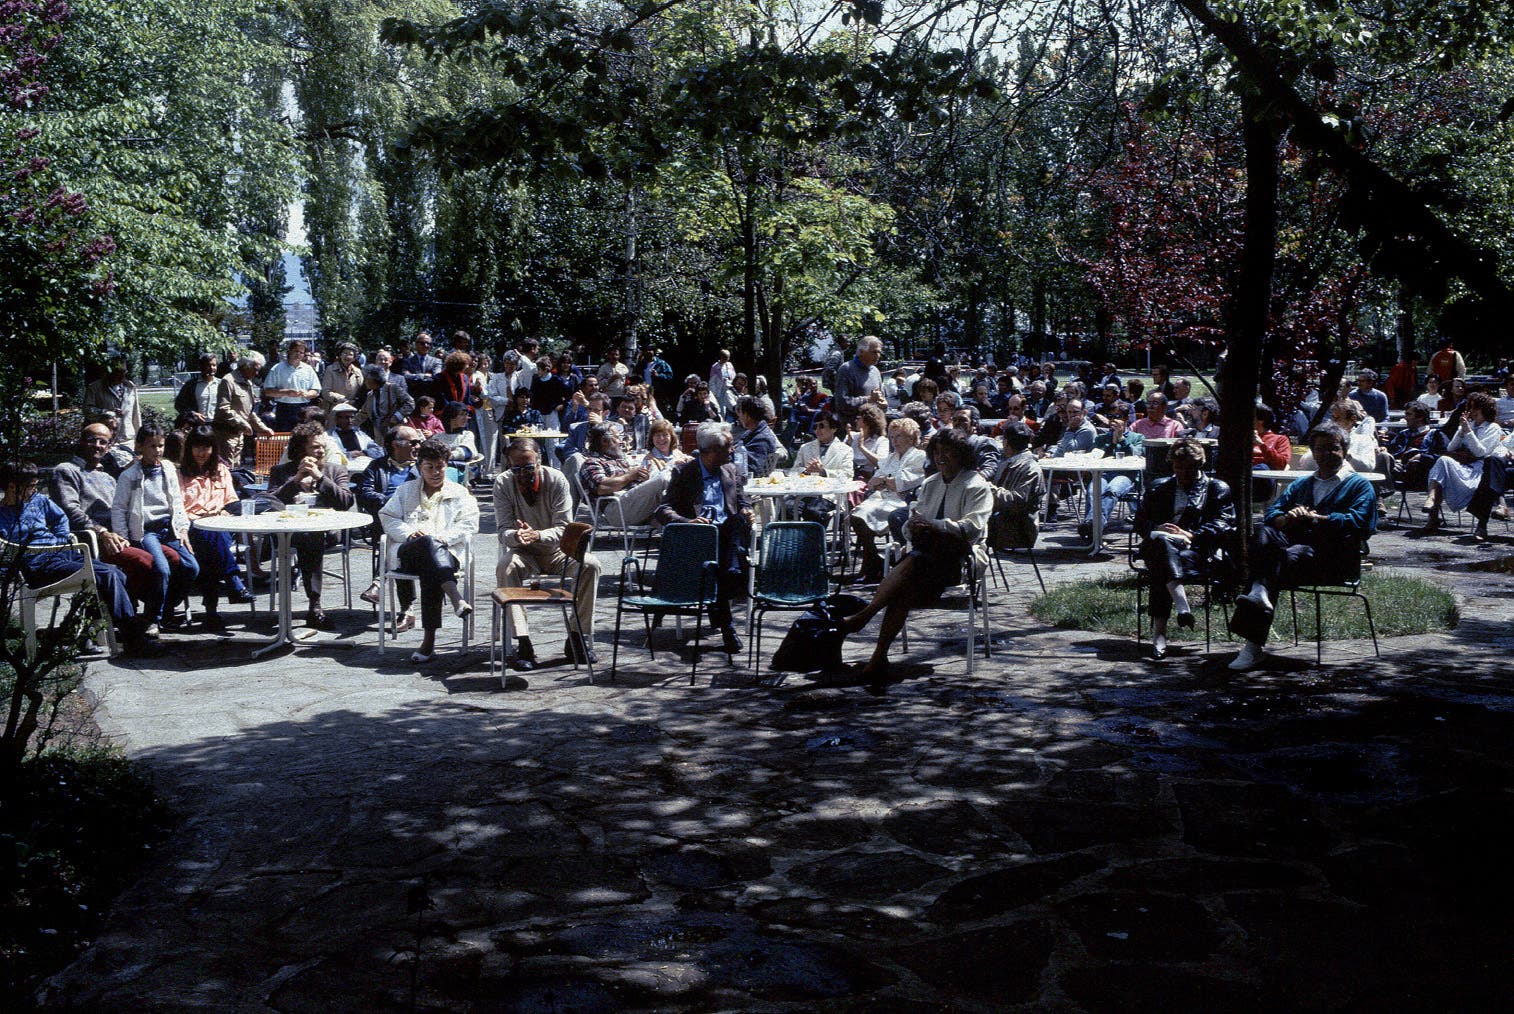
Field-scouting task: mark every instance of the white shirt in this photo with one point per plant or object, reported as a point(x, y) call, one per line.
point(298, 378)
point(835, 459)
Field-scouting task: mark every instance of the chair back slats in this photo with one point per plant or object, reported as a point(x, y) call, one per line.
point(267, 451)
point(793, 560)
point(688, 551)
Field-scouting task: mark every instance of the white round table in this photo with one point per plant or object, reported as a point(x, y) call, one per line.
point(284, 526)
point(1095, 465)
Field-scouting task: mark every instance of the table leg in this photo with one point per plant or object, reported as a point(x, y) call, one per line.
point(286, 593)
point(1096, 503)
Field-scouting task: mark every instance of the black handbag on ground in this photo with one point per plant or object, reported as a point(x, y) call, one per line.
point(813, 643)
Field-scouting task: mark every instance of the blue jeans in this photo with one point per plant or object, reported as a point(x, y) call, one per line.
point(1115, 486)
point(171, 585)
point(213, 554)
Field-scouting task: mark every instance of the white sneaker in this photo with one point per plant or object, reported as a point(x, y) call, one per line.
point(1257, 598)
point(1248, 658)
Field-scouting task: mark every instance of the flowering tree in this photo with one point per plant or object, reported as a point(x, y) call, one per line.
point(1175, 202)
point(55, 271)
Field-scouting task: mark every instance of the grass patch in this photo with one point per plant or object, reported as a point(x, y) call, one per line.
point(74, 826)
point(1402, 605)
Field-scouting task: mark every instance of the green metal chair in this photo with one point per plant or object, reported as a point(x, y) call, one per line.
point(790, 575)
point(684, 584)
point(1348, 585)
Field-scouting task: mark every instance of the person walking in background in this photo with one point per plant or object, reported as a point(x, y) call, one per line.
point(115, 393)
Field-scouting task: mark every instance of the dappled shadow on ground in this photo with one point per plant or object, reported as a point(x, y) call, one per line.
point(1065, 829)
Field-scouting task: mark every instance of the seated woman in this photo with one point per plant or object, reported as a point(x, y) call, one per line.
point(149, 510)
point(426, 520)
point(521, 417)
point(1016, 485)
point(1455, 475)
point(209, 490)
point(461, 440)
point(868, 442)
point(946, 528)
point(662, 446)
point(1182, 520)
point(700, 408)
point(1431, 398)
point(899, 473)
point(310, 478)
point(425, 418)
point(1269, 449)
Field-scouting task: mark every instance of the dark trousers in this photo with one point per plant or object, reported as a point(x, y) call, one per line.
point(46, 568)
point(213, 551)
point(1278, 560)
point(137, 565)
point(1490, 489)
point(1168, 559)
point(433, 563)
point(735, 539)
point(287, 417)
point(309, 552)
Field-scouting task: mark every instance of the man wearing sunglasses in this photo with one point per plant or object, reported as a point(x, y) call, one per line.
point(532, 506)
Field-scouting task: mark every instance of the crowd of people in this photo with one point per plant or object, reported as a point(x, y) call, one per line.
point(943, 464)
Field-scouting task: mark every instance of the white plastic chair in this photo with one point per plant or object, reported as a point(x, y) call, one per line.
point(80, 582)
point(388, 607)
point(973, 587)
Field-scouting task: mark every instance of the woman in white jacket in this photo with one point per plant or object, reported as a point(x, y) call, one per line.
point(149, 510)
point(428, 521)
point(899, 473)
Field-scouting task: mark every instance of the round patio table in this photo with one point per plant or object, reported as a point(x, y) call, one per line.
point(284, 525)
point(1095, 466)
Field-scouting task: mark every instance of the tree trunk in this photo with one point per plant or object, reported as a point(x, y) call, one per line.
point(1249, 310)
point(1408, 344)
point(633, 279)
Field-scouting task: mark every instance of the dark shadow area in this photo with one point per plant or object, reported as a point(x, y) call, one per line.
point(1125, 838)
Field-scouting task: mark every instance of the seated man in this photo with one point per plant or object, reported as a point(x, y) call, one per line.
point(309, 476)
point(1075, 437)
point(532, 506)
point(30, 519)
point(986, 452)
point(85, 488)
point(1156, 423)
point(578, 432)
point(946, 528)
point(632, 419)
point(709, 489)
point(1182, 521)
point(1117, 441)
point(1313, 532)
point(344, 432)
point(1016, 487)
point(606, 472)
point(824, 456)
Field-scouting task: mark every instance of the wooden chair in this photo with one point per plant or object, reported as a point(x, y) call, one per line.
point(575, 543)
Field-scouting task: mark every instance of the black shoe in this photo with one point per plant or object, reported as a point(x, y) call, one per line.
point(175, 620)
point(1085, 531)
point(521, 663)
point(729, 642)
point(212, 621)
point(578, 652)
point(145, 647)
point(525, 655)
point(1185, 620)
point(1158, 654)
point(239, 595)
point(318, 619)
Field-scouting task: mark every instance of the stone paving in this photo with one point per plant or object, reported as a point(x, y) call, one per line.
point(1069, 829)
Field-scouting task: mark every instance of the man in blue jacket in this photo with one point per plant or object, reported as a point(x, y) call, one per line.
point(1313, 532)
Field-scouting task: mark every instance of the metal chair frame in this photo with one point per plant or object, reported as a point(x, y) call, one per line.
point(575, 544)
point(974, 586)
point(80, 582)
point(761, 600)
point(679, 605)
point(388, 607)
point(1349, 587)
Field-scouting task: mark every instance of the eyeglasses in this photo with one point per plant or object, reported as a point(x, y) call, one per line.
point(523, 469)
point(412, 443)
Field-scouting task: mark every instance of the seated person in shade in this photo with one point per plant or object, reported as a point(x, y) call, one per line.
point(899, 473)
point(1113, 443)
point(28, 518)
point(1372, 401)
point(461, 442)
point(1076, 437)
point(532, 506)
point(1182, 521)
point(1415, 448)
point(606, 472)
point(986, 453)
point(1203, 418)
point(1487, 500)
point(946, 528)
point(1016, 487)
point(1156, 423)
point(344, 432)
point(428, 521)
point(710, 489)
point(699, 408)
point(1312, 532)
point(1110, 406)
point(758, 442)
point(631, 421)
point(1269, 449)
point(577, 442)
point(308, 477)
point(381, 478)
point(425, 418)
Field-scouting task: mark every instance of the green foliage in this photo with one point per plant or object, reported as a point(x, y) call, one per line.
point(1402, 605)
point(74, 826)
